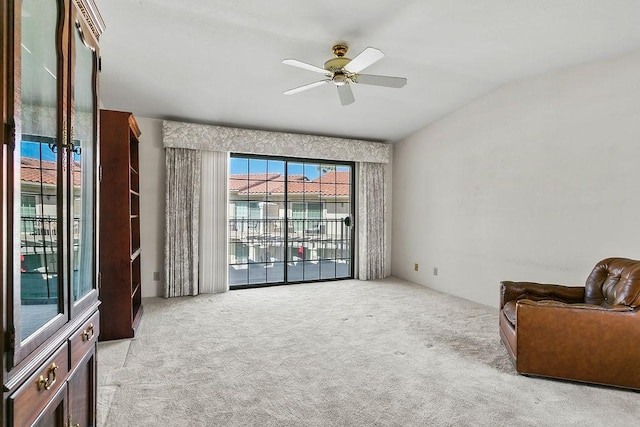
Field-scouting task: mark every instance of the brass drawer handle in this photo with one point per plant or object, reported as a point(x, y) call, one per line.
point(87, 334)
point(47, 383)
point(71, 424)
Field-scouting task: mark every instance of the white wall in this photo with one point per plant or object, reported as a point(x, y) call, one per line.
point(152, 182)
point(536, 181)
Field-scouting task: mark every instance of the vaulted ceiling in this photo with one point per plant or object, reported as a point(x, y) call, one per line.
point(220, 61)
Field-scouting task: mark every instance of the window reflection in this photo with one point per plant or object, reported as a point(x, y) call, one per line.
point(38, 232)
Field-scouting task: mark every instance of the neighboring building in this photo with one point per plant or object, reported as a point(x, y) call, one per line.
point(316, 215)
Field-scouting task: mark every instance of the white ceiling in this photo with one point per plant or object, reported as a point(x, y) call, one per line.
point(219, 61)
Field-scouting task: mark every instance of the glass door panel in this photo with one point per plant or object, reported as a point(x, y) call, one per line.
point(37, 234)
point(320, 241)
point(256, 226)
point(83, 139)
point(287, 221)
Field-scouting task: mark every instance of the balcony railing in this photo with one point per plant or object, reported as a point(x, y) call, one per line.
point(39, 234)
point(275, 240)
point(39, 257)
point(328, 228)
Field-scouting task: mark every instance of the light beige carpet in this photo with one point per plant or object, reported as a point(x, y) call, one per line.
point(349, 353)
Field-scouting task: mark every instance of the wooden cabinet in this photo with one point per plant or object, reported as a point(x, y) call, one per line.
point(121, 292)
point(34, 396)
point(63, 388)
point(49, 87)
point(82, 382)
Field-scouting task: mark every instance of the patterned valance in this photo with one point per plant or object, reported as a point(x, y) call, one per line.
point(221, 138)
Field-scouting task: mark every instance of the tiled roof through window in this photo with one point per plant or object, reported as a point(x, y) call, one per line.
point(34, 171)
point(334, 183)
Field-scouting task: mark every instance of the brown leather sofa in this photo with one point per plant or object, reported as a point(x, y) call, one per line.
point(589, 334)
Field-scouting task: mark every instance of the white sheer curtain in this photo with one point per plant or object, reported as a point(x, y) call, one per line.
point(213, 223)
point(182, 222)
point(370, 221)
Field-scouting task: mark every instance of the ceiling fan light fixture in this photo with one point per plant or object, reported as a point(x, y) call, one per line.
point(340, 79)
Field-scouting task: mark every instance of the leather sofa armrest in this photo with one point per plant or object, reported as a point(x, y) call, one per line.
point(580, 342)
point(582, 306)
point(513, 291)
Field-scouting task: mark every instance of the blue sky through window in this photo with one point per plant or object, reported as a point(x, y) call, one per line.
point(32, 150)
point(245, 165)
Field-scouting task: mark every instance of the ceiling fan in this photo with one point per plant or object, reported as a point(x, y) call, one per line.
point(342, 72)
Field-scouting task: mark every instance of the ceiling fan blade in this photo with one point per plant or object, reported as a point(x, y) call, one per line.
point(306, 87)
point(364, 59)
point(304, 65)
point(345, 94)
point(386, 81)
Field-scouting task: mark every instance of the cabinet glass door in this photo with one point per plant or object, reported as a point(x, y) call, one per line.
point(83, 150)
point(37, 166)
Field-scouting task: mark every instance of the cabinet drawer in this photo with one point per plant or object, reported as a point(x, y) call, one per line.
point(84, 338)
point(34, 395)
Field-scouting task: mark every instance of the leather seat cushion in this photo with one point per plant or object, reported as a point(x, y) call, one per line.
point(509, 311)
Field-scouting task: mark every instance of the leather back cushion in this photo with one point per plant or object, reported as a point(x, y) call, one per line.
point(614, 281)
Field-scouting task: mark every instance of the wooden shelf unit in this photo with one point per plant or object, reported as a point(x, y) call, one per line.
point(121, 292)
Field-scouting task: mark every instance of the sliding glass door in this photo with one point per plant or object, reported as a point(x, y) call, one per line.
point(289, 221)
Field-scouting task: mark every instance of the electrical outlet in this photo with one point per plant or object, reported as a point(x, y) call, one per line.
point(415, 266)
point(156, 276)
point(435, 271)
